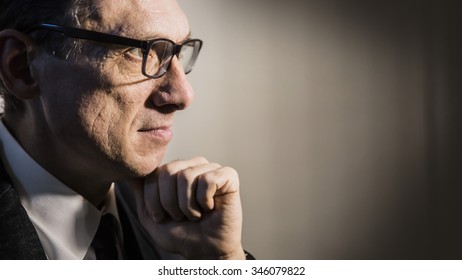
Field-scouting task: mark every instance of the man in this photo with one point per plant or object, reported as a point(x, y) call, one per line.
point(90, 89)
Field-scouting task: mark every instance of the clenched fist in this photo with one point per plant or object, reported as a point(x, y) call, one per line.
point(193, 208)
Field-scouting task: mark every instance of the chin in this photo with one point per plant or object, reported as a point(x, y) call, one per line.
point(144, 166)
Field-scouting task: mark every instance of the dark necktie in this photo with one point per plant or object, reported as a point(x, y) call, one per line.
point(105, 241)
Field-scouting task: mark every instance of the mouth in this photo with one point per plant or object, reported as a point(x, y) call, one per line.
point(159, 134)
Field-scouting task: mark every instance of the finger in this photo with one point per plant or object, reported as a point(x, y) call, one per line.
point(167, 181)
point(152, 199)
point(222, 181)
point(187, 185)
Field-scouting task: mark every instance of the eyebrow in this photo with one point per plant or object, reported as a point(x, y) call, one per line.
point(187, 37)
point(150, 38)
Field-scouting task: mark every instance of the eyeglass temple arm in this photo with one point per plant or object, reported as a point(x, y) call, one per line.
point(90, 35)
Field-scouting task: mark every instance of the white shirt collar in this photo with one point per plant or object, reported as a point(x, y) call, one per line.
point(65, 221)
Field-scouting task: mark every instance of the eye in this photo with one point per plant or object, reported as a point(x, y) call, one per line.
point(134, 52)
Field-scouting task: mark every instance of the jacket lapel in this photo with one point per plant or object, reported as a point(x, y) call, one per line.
point(18, 238)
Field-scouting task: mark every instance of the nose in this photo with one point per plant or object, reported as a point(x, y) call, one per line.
point(175, 92)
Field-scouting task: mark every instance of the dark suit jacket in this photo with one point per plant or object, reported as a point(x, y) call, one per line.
point(19, 239)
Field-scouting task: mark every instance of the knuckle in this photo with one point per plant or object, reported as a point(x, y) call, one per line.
point(206, 178)
point(168, 170)
point(162, 172)
point(215, 165)
point(185, 176)
point(231, 171)
point(200, 159)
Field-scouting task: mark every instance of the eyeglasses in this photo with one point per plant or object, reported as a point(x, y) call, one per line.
point(157, 54)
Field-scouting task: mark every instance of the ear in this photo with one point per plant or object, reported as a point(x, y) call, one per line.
point(15, 69)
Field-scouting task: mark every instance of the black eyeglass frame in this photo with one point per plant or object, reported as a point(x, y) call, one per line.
point(145, 46)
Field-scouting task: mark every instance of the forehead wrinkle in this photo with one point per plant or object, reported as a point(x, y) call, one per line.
point(140, 19)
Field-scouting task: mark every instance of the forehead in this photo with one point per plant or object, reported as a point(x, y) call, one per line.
point(140, 19)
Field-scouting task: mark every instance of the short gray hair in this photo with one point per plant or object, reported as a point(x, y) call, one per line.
point(22, 14)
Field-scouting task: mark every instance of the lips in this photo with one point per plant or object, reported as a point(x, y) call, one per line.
point(161, 133)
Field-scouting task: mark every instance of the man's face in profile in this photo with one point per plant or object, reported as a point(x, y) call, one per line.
point(100, 110)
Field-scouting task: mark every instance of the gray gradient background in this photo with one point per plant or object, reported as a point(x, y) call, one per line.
point(342, 118)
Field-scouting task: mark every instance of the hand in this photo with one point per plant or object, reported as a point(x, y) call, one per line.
point(193, 208)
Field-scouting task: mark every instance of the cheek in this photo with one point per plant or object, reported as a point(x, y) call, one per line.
point(107, 119)
point(98, 117)
point(113, 126)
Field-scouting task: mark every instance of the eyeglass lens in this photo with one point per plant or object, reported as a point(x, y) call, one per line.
point(159, 57)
